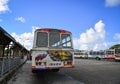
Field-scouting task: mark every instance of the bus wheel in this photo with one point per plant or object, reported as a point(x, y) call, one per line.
point(97, 58)
point(34, 71)
point(117, 60)
point(55, 70)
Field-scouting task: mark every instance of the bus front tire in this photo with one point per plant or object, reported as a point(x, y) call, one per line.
point(55, 70)
point(97, 58)
point(34, 71)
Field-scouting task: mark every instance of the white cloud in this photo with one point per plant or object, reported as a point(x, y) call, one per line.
point(93, 38)
point(35, 27)
point(21, 19)
point(3, 6)
point(25, 39)
point(117, 36)
point(111, 3)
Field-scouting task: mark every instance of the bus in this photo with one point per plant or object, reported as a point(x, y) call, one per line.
point(110, 54)
point(117, 54)
point(52, 49)
point(96, 54)
point(80, 54)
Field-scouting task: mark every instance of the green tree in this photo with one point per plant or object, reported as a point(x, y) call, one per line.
point(115, 46)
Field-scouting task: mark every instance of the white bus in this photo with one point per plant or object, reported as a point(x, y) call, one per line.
point(96, 54)
point(110, 54)
point(117, 54)
point(80, 54)
point(52, 49)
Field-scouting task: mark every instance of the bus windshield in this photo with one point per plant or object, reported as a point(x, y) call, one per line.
point(42, 39)
point(117, 51)
point(52, 39)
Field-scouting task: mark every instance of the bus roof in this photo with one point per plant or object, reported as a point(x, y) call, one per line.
point(52, 30)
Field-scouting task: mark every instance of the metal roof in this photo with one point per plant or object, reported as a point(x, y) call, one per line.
point(2, 31)
point(6, 38)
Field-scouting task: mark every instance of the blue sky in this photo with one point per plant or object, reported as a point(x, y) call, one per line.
point(93, 23)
